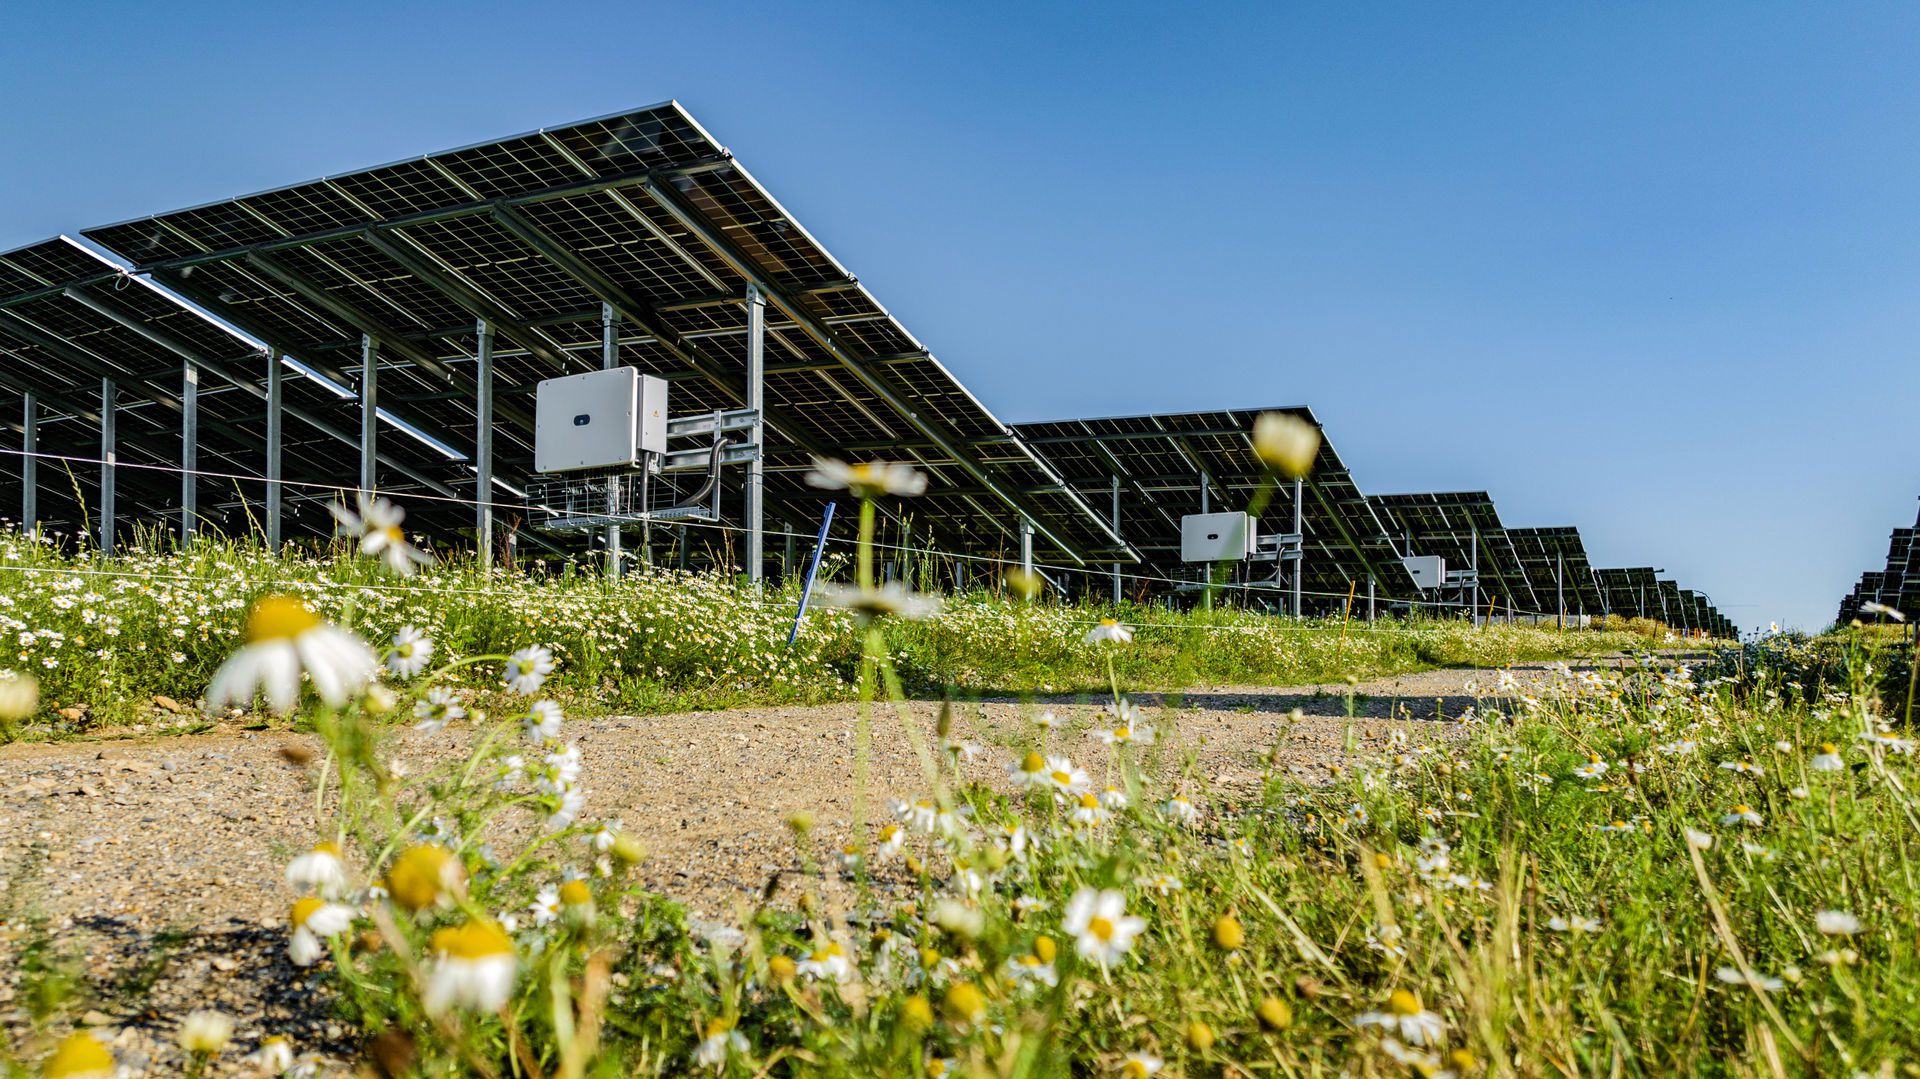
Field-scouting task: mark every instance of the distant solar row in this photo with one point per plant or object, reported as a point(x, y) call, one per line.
point(1897, 587)
point(272, 341)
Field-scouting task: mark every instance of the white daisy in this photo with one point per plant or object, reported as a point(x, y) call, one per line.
point(542, 722)
point(410, 652)
point(527, 669)
point(1741, 814)
point(1030, 971)
point(284, 640)
point(1286, 443)
point(377, 527)
point(719, 1041)
point(473, 968)
point(828, 962)
point(319, 871)
point(441, 707)
point(314, 919)
point(1182, 811)
point(1578, 923)
point(870, 480)
point(1103, 931)
point(893, 600)
point(1828, 759)
point(1405, 1017)
point(1732, 976)
point(1836, 923)
point(1139, 1065)
point(1113, 799)
point(1089, 811)
point(1109, 631)
point(1029, 771)
point(1067, 781)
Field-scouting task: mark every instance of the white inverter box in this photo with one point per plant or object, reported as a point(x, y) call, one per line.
point(1216, 537)
point(1428, 570)
point(599, 419)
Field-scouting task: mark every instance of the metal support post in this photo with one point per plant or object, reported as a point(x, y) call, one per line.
point(1299, 525)
point(30, 465)
point(756, 400)
point(1026, 546)
point(369, 411)
point(1116, 531)
point(1369, 597)
point(273, 449)
point(109, 405)
point(1205, 487)
point(483, 445)
point(1474, 564)
point(1560, 585)
point(610, 359)
point(189, 450)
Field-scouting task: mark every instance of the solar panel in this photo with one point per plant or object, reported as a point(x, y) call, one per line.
point(1463, 528)
point(1555, 563)
point(642, 211)
point(1164, 462)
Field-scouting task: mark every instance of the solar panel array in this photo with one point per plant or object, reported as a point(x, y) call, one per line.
point(644, 220)
point(1165, 461)
point(1896, 587)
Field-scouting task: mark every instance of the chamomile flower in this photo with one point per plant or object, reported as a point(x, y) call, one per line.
point(526, 670)
point(473, 968)
point(274, 1056)
point(1828, 759)
point(284, 641)
point(313, 920)
point(1743, 767)
point(1697, 839)
point(1113, 799)
point(1888, 742)
point(1089, 811)
point(1286, 443)
point(718, 1041)
point(377, 527)
point(542, 722)
point(828, 962)
point(1405, 1016)
point(545, 908)
point(1741, 814)
point(1181, 811)
point(1066, 780)
point(1139, 1065)
point(1577, 923)
point(1733, 976)
point(1615, 826)
point(1031, 971)
point(1029, 771)
point(1121, 734)
point(1044, 720)
point(1163, 883)
point(892, 600)
point(1836, 923)
point(205, 1033)
point(1593, 769)
point(870, 480)
point(441, 707)
point(1103, 931)
point(892, 839)
point(410, 653)
point(1109, 631)
point(319, 871)
point(423, 876)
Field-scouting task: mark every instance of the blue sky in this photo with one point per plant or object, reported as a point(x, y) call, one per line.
point(1650, 269)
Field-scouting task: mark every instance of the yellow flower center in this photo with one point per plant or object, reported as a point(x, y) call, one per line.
point(1088, 801)
point(1742, 810)
point(1403, 1002)
point(393, 533)
point(1101, 929)
point(1134, 1069)
point(304, 908)
point(1829, 748)
point(574, 893)
point(420, 875)
point(277, 618)
point(718, 1027)
point(477, 939)
point(1032, 764)
point(1062, 778)
point(1121, 734)
point(1045, 948)
point(79, 1054)
point(1109, 621)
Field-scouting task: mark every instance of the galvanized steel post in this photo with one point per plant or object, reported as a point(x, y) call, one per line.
point(483, 444)
point(189, 450)
point(30, 465)
point(273, 449)
point(109, 405)
point(369, 412)
point(756, 400)
point(610, 359)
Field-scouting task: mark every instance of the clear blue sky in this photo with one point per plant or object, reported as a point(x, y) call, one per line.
point(1650, 269)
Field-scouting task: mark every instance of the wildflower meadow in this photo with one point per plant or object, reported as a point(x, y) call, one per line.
point(1635, 866)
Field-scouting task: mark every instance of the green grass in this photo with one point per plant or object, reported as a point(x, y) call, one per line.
point(105, 638)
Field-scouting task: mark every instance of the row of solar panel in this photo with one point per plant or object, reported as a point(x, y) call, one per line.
point(1895, 588)
point(642, 221)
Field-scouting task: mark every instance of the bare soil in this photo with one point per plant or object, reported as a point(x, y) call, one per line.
point(156, 864)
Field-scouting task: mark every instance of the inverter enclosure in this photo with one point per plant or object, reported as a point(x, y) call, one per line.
point(1216, 537)
point(1427, 570)
point(598, 420)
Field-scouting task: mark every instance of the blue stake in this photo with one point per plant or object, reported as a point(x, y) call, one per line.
point(813, 568)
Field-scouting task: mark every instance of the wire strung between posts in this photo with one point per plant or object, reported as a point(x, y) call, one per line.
point(1242, 587)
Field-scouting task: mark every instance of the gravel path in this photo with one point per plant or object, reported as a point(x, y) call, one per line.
point(155, 864)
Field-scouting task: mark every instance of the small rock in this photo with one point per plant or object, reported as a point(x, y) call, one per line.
point(167, 703)
point(96, 1018)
